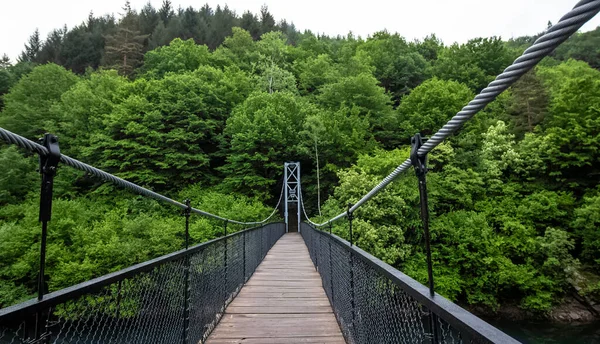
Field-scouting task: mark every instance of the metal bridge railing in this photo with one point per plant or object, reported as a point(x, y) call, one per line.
point(179, 297)
point(375, 303)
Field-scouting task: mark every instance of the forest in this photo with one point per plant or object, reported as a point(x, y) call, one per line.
point(206, 104)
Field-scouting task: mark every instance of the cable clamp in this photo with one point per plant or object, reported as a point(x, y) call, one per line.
point(48, 167)
point(419, 162)
point(188, 208)
point(349, 213)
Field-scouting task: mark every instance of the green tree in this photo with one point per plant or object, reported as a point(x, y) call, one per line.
point(166, 11)
point(529, 103)
point(430, 47)
point(175, 121)
point(32, 48)
point(148, 19)
point(267, 22)
point(475, 63)
point(18, 175)
point(83, 107)
point(250, 23)
point(179, 56)
point(398, 66)
point(362, 94)
point(124, 49)
point(586, 223)
point(27, 105)
point(572, 125)
point(238, 49)
point(315, 72)
point(264, 132)
point(581, 46)
point(429, 106)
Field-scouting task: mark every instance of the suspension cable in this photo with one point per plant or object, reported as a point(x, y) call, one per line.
point(583, 11)
point(304, 209)
point(34, 147)
point(277, 206)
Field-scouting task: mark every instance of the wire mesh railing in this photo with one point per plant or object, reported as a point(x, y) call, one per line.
point(179, 297)
point(375, 303)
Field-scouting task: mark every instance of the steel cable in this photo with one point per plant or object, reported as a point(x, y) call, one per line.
point(35, 147)
point(304, 210)
point(277, 206)
point(557, 34)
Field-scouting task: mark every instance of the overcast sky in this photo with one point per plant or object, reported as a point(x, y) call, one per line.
point(452, 21)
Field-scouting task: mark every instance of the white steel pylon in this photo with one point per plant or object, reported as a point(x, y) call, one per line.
point(292, 190)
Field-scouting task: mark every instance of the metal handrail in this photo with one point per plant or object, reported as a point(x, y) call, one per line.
point(52, 299)
point(456, 316)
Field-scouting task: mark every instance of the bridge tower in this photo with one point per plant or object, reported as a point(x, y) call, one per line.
point(291, 178)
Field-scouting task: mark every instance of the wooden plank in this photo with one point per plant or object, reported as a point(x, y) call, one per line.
point(283, 302)
point(279, 310)
point(279, 340)
point(280, 302)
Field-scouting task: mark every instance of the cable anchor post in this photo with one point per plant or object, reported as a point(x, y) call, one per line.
point(187, 212)
point(48, 168)
point(421, 169)
point(350, 216)
point(186, 307)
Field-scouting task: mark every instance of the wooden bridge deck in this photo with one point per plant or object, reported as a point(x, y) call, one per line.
point(283, 302)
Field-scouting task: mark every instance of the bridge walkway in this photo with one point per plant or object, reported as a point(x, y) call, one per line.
point(283, 302)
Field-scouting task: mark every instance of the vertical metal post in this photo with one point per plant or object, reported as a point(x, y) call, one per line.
point(291, 180)
point(285, 187)
point(225, 260)
point(299, 198)
point(186, 307)
point(350, 218)
point(420, 165)
point(187, 212)
point(330, 264)
point(48, 168)
point(244, 254)
point(352, 304)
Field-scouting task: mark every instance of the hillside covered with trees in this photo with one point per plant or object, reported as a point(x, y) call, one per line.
point(208, 105)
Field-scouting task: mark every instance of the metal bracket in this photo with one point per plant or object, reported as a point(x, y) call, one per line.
point(349, 214)
point(419, 162)
point(350, 218)
point(188, 210)
point(48, 167)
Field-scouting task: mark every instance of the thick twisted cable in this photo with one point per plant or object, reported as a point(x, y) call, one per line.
point(34, 147)
point(277, 206)
point(304, 210)
point(557, 34)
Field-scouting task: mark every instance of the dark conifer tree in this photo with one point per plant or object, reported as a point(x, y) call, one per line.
point(52, 47)
point(166, 12)
point(148, 19)
point(250, 23)
point(124, 50)
point(529, 103)
point(267, 21)
point(32, 48)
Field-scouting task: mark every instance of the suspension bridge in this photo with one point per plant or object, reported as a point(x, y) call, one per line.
point(276, 282)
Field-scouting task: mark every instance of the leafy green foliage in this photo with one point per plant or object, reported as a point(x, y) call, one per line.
point(398, 66)
point(27, 105)
point(429, 106)
point(475, 63)
point(179, 56)
point(264, 133)
point(90, 237)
